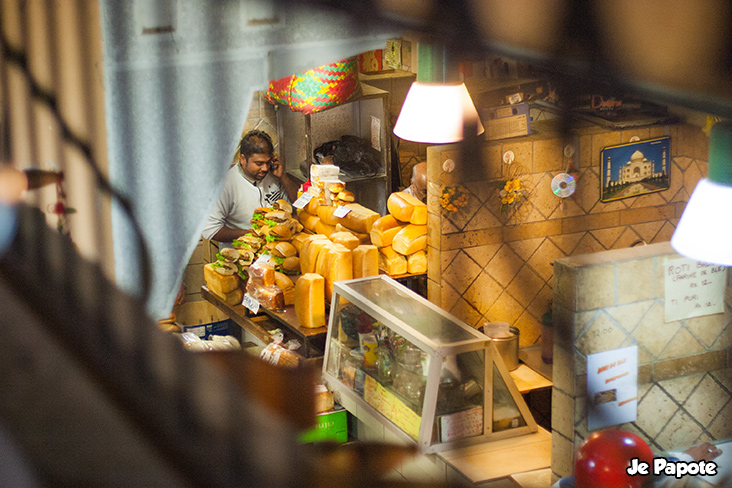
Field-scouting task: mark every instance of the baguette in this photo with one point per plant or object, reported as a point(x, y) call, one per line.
point(310, 300)
point(309, 221)
point(345, 238)
point(417, 262)
point(383, 231)
point(359, 219)
point(391, 262)
point(323, 228)
point(410, 239)
point(312, 206)
point(407, 208)
point(365, 261)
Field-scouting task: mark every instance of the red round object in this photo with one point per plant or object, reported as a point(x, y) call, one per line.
point(604, 456)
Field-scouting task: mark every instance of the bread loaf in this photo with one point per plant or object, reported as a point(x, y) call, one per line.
point(383, 231)
point(323, 399)
point(308, 254)
point(309, 221)
point(363, 238)
point(345, 238)
point(287, 287)
point(262, 274)
point(323, 228)
point(322, 263)
point(410, 239)
point(359, 219)
point(223, 284)
point(312, 206)
point(325, 214)
point(340, 267)
point(391, 262)
point(310, 300)
point(365, 261)
point(417, 262)
point(407, 208)
point(298, 239)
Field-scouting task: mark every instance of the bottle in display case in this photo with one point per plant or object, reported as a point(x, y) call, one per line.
point(418, 369)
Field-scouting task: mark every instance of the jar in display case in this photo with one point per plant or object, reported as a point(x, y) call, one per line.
point(426, 373)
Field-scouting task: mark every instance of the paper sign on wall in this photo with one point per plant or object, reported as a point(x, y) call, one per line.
point(612, 387)
point(692, 288)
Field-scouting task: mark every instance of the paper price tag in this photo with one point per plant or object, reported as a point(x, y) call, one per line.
point(250, 303)
point(341, 211)
point(303, 200)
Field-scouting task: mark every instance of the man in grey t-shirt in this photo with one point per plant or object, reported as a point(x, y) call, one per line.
point(258, 180)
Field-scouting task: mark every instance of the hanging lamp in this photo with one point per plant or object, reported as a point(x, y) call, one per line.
point(435, 110)
point(704, 232)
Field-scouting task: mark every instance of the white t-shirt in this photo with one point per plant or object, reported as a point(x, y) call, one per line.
point(239, 198)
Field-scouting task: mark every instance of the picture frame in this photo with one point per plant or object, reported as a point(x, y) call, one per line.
point(635, 168)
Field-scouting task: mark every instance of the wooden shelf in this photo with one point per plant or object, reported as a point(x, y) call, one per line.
point(312, 340)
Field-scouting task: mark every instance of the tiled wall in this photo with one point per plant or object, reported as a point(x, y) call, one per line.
point(613, 299)
point(486, 267)
point(261, 116)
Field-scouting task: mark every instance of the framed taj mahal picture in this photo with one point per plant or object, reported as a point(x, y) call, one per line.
point(635, 168)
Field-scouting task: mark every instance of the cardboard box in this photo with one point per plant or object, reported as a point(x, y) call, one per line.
point(507, 121)
point(330, 426)
point(202, 318)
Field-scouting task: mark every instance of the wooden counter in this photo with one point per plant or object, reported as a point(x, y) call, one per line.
point(312, 340)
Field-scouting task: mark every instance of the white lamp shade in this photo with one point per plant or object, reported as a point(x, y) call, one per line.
point(436, 113)
point(704, 232)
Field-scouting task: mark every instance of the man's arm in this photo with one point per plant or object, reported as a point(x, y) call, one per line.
point(291, 184)
point(227, 234)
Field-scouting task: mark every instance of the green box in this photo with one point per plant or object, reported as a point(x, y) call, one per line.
point(330, 426)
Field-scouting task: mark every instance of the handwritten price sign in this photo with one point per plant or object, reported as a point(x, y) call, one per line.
point(693, 288)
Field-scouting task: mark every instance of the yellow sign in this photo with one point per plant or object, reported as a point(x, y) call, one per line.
point(391, 407)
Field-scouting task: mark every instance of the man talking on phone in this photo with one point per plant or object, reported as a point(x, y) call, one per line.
point(258, 180)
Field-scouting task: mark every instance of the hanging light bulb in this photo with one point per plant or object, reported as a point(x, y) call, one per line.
point(704, 233)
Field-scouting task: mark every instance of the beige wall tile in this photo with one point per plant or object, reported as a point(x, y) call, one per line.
point(629, 315)
point(471, 238)
point(530, 329)
point(542, 261)
point(433, 262)
point(563, 368)
point(562, 413)
point(709, 327)
point(504, 265)
point(683, 344)
point(529, 231)
point(448, 296)
point(655, 409)
point(483, 219)
point(562, 455)
point(523, 153)
point(434, 292)
point(681, 431)
point(434, 231)
point(647, 214)
point(680, 388)
point(466, 312)
point(672, 368)
point(548, 155)
point(483, 292)
point(504, 309)
point(542, 302)
point(706, 401)
point(565, 285)
point(602, 335)
point(607, 237)
point(482, 254)
point(567, 242)
point(597, 286)
point(636, 280)
point(653, 332)
point(721, 426)
point(525, 285)
point(461, 272)
point(526, 247)
point(590, 222)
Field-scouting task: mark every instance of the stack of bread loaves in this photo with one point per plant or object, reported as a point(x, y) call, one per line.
point(401, 236)
point(329, 193)
point(325, 260)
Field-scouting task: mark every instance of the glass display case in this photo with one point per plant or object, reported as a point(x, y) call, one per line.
point(430, 378)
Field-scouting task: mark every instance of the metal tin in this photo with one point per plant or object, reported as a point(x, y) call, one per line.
point(508, 347)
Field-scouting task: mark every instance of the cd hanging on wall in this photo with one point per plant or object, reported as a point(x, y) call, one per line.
point(563, 185)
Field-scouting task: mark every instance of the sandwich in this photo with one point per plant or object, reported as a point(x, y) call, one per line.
point(226, 262)
point(247, 241)
point(283, 249)
point(291, 266)
point(283, 205)
point(279, 225)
